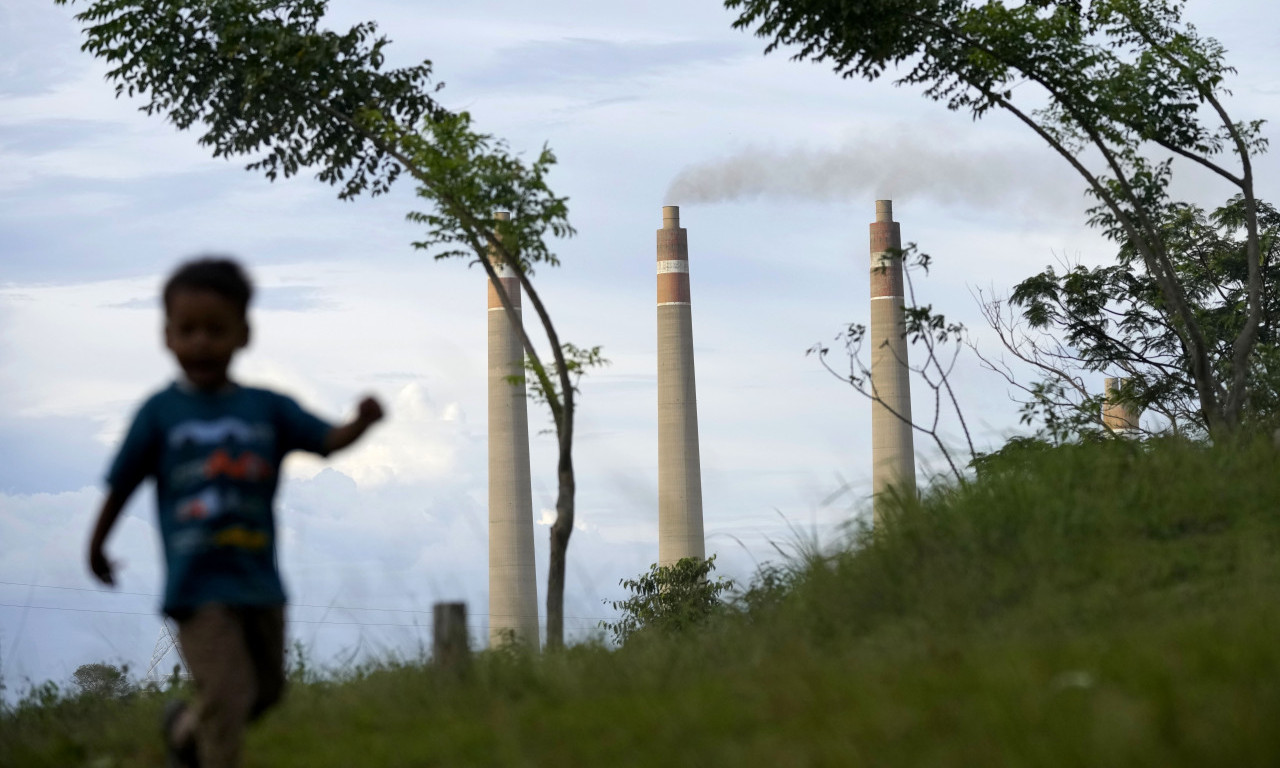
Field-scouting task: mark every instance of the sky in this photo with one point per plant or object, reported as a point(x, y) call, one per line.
point(776, 166)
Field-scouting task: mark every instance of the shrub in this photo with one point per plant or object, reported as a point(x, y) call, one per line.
point(668, 599)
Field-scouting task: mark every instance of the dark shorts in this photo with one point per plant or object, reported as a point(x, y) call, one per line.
point(236, 658)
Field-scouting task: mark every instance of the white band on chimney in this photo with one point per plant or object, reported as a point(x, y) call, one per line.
point(504, 270)
point(667, 266)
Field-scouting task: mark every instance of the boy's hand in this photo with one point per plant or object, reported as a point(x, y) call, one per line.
point(369, 411)
point(98, 562)
point(101, 566)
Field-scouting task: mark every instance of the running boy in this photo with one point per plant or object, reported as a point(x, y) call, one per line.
point(214, 449)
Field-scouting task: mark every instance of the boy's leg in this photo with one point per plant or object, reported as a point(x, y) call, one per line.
point(179, 726)
point(213, 643)
point(264, 631)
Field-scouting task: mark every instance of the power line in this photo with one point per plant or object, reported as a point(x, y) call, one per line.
point(77, 610)
point(292, 621)
point(78, 589)
point(295, 605)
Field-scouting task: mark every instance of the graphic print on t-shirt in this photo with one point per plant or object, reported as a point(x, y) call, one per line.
point(201, 506)
point(223, 451)
point(217, 431)
point(247, 466)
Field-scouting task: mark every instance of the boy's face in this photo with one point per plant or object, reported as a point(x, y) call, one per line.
point(204, 330)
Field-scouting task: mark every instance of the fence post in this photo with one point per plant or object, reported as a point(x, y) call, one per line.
point(450, 645)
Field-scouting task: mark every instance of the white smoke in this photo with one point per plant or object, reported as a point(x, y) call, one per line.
point(909, 165)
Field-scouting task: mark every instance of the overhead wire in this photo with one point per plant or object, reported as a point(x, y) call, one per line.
point(295, 605)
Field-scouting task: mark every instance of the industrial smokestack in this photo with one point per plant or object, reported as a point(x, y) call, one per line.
point(679, 471)
point(893, 455)
point(1121, 418)
point(513, 585)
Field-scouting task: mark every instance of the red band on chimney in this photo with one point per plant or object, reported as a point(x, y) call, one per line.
point(512, 287)
point(673, 244)
point(886, 238)
point(673, 277)
point(673, 287)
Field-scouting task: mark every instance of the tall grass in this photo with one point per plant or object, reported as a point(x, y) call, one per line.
point(1092, 606)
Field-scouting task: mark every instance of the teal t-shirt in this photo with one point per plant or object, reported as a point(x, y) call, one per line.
point(216, 460)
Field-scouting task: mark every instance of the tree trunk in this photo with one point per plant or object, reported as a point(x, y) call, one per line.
point(560, 532)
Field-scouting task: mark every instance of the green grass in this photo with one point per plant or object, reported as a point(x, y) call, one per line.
point(1093, 606)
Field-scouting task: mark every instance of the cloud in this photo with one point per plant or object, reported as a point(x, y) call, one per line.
point(420, 441)
point(36, 49)
point(50, 453)
point(283, 298)
point(540, 63)
point(98, 376)
point(79, 130)
point(42, 136)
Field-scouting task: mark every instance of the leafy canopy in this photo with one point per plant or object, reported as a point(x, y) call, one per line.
point(102, 680)
point(260, 78)
point(1114, 318)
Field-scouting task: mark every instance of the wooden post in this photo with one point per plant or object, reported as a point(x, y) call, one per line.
point(450, 647)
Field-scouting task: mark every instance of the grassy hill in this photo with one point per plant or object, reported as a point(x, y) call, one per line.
point(1094, 606)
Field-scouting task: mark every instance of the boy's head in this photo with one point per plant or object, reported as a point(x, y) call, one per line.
point(206, 304)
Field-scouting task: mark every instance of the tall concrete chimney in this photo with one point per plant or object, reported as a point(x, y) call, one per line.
point(893, 455)
point(1119, 417)
point(679, 471)
point(513, 585)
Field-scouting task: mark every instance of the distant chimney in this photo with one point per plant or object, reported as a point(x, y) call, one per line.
point(513, 583)
point(679, 472)
point(893, 456)
point(1118, 417)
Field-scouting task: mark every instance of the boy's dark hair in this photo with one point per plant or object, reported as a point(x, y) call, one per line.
point(215, 274)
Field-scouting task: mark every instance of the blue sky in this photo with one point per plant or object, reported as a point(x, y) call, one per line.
point(776, 166)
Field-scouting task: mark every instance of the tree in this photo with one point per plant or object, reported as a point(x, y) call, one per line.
point(261, 78)
point(668, 599)
point(102, 680)
point(941, 342)
point(1113, 318)
point(1119, 81)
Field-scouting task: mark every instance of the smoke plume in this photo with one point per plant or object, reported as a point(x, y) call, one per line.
point(907, 166)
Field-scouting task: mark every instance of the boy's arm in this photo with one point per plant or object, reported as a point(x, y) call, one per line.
point(338, 438)
point(98, 562)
